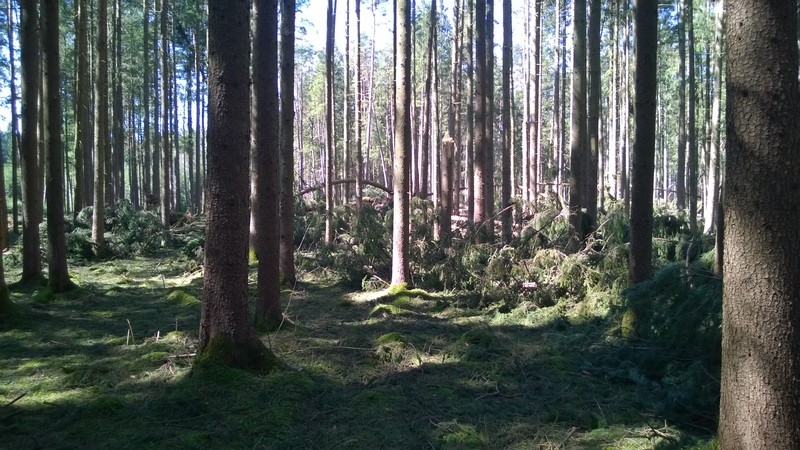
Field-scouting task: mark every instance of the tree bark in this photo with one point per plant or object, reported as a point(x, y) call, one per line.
point(286, 260)
point(166, 157)
point(146, 167)
point(56, 249)
point(640, 264)
point(482, 174)
point(593, 126)
point(691, 182)
point(507, 150)
point(402, 144)
point(266, 139)
point(100, 129)
point(710, 206)
point(226, 335)
point(29, 154)
point(759, 406)
point(329, 140)
point(578, 151)
point(680, 173)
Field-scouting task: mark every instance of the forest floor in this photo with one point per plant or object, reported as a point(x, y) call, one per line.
point(109, 366)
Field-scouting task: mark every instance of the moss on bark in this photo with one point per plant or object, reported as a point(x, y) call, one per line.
point(250, 354)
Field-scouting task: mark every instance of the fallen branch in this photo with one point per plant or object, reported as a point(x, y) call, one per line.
point(16, 399)
point(346, 181)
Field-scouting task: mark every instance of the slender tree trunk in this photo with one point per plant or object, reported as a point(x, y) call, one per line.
point(100, 128)
point(488, 142)
point(691, 188)
point(359, 111)
point(266, 136)
point(507, 150)
point(82, 125)
point(347, 125)
point(133, 155)
point(117, 171)
point(166, 158)
point(557, 121)
point(536, 132)
point(710, 206)
point(286, 261)
point(402, 144)
point(146, 169)
point(482, 171)
point(329, 140)
point(14, 121)
point(471, 93)
point(199, 135)
point(593, 129)
point(680, 175)
point(759, 406)
point(29, 154)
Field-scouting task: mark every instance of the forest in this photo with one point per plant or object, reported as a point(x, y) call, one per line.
point(437, 224)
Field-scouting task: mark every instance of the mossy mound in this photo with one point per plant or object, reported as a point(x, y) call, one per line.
point(250, 354)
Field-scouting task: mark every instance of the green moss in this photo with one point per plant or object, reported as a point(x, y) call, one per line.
point(250, 354)
point(182, 298)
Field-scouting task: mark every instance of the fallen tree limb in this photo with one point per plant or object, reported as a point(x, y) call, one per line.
point(346, 181)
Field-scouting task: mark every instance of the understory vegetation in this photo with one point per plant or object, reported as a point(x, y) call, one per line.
point(515, 346)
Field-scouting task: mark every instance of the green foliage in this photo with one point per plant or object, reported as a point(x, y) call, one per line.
point(679, 316)
point(129, 232)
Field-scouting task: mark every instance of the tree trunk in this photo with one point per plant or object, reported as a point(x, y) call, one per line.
point(146, 168)
point(14, 124)
point(56, 249)
point(118, 172)
point(329, 140)
point(286, 260)
point(640, 264)
point(266, 134)
point(402, 144)
point(359, 107)
point(691, 182)
point(488, 142)
point(710, 206)
point(482, 174)
point(446, 210)
point(166, 159)
point(82, 124)
point(578, 136)
point(680, 174)
point(100, 128)
point(226, 335)
point(759, 406)
point(593, 126)
point(29, 154)
point(507, 150)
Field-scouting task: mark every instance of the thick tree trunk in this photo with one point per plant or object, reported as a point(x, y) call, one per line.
point(759, 405)
point(226, 335)
point(56, 242)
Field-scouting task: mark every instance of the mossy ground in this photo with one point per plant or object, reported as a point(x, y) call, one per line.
point(108, 365)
